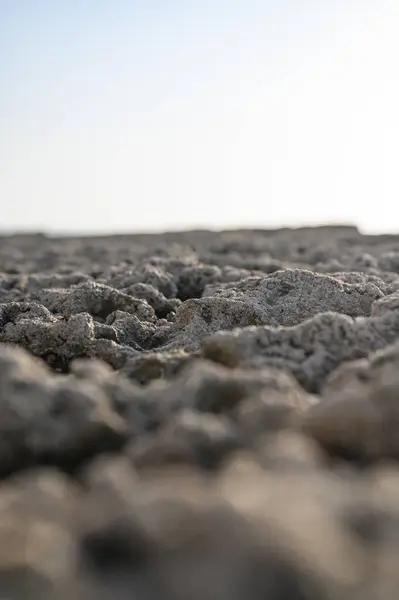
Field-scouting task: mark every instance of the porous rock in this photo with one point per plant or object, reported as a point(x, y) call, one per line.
point(294, 295)
point(48, 419)
point(95, 298)
point(199, 415)
point(310, 350)
point(358, 415)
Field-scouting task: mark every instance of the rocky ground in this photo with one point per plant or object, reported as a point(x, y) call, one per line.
point(200, 416)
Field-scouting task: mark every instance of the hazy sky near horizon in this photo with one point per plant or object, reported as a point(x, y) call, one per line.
point(166, 114)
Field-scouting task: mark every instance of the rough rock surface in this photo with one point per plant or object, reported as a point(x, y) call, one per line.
point(200, 415)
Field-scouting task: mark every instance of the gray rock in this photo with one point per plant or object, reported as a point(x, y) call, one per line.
point(94, 298)
point(147, 367)
point(310, 350)
point(385, 304)
point(38, 547)
point(50, 419)
point(284, 298)
point(213, 388)
point(151, 275)
point(286, 451)
point(79, 422)
point(162, 306)
point(293, 295)
point(126, 398)
point(187, 478)
point(389, 261)
point(131, 331)
point(222, 542)
point(56, 339)
point(191, 438)
point(193, 280)
point(359, 412)
point(387, 282)
point(272, 410)
point(116, 355)
point(196, 319)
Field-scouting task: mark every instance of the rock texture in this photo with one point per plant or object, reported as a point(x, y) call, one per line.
point(200, 415)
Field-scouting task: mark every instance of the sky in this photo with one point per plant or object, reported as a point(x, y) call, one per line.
point(119, 115)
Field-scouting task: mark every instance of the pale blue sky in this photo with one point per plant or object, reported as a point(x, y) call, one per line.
point(124, 115)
